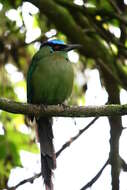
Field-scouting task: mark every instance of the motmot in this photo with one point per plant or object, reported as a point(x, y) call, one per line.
point(49, 82)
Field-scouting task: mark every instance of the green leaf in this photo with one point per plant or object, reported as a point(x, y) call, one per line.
point(22, 141)
point(9, 152)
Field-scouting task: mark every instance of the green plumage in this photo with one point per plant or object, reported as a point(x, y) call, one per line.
point(49, 81)
point(50, 77)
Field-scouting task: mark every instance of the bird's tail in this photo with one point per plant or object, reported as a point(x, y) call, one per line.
point(48, 158)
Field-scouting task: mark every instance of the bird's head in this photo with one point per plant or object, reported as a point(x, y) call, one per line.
point(59, 45)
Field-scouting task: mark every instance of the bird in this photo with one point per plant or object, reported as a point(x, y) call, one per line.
point(49, 82)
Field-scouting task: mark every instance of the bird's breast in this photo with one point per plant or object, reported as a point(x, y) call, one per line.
point(52, 80)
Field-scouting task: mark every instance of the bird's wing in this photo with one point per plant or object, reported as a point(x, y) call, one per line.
point(31, 69)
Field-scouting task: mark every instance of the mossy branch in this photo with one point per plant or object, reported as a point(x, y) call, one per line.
point(61, 110)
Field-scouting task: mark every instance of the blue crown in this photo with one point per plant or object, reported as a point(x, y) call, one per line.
point(55, 41)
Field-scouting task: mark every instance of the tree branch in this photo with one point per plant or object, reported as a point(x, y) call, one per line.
point(30, 180)
point(92, 181)
point(62, 111)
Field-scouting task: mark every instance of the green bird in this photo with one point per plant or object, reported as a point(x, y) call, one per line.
point(49, 82)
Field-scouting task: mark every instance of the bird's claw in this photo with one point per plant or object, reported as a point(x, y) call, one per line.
point(65, 106)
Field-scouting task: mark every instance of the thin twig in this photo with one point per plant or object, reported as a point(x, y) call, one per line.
point(30, 180)
point(68, 143)
point(123, 164)
point(92, 181)
point(115, 6)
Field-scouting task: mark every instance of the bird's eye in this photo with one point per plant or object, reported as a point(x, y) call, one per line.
point(56, 47)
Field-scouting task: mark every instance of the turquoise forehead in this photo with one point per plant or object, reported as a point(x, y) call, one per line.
point(59, 42)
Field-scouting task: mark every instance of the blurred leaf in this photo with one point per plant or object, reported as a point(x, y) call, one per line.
point(11, 3)
point(101, 4)
point(22, 141)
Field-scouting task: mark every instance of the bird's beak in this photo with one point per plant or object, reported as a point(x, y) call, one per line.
point(72, 46)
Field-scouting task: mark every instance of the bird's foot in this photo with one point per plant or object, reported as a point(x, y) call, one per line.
point(65, 106)
point(43, 106)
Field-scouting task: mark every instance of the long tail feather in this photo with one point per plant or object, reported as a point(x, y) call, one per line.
point(48, 160)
